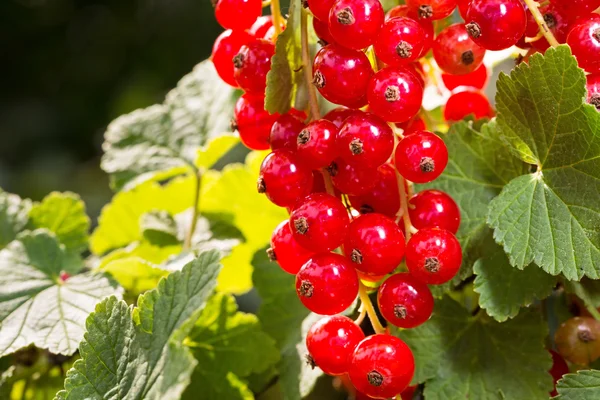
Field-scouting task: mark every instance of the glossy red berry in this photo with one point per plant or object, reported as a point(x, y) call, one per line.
point(559, 368)
point(355, 23)
point(496, 24)
point(395, 94)
point(252, 64)
point(434, 209)
point(578, 340)
point(593, 90)
point(327, 284)
point(227, 45)
point(455, 52)
point(316, 143)
point(421, 157)
point(285, 130)
point(237, 14)
point(405, 301)
point(283, 178)
point(400, 41)
point(338, 115)
point(576, 8)
point(319, 222)
point(412, 125)
point(375, 244)
point(465, 103)
point(366, 140)
point(350, 178)
point(433, 256)
point(286, 251)
point(320, 8)
point(476, 79)
point(463, 7)
point(426, 25)
point(584, 40)
point(382, 366)
point(432, 9)
point(322, 30)
point(252, 121)
point(261, 26)
point(342, 75)
point(559, 25)
point(331, 342)
point(383, 198)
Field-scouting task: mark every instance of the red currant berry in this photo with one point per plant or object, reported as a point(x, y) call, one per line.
point(261, 26)
point(375, 244)
point(318, 183)
point(351, 179)
point(237, 14)
point(465, 103)
point(320, 8)
point(227, 45)
point(283, 178)
point(559, 25)
point(559, 368)
point(327, 284)
point(400, 41)
point(532, 28)
point(404, 301)
point(584, 40)
point(319, 222)
point(593, 90)
point(383, 198)
point(331, 342)
point(434, 209)
point(426, 25)
point(476, 79)
point(365, 139)
point(382, 366)
point(413, 125)
point(252, 121)
point(409, 393)
point(322, 30)
point(342, 75)
point(252, 64)
point(395, 94)
point(455, 52)
point(317, 143)
point(432, 9)
point(578, 340)
point(338, 115)
point(576, 8)
point(433, 256)
point(496, 24)
point(285, 130)
point(463, 7)
point(421, 157)
point(355, 23)
point(286, 251)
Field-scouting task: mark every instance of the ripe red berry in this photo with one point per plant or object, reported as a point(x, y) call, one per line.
point(400, 41)
point(383, 198)
point(252, 121)
point(331, 342)
point(252, 64)
point(342, 75)
point(285, 130)
point(433, 256)
point(320, 8)
point(463, 7)
point(405, 301)
point(578, 340)
point(559, 25)
point(261, 26)
point(465, 103)
point(421, 157)
point(317, 143)
point(584, 40)
point(496, 24)
point(395, 94)
point(355, 23)
point(426, 25)
point(432, 9)
point(476, 79)
point(227, 45)
point(434, 209)
point(327, 284)
point(576, 8)
point(455, 52)
point(382, 366)
point(375, 244)
point(338, 115)
point(365, 139)
point(283, 178)
point(412, 125)
point(559, 368)
point(237, 14)
point(350, 178)
point(319, 222)
point(286, 251)
point(593, 90)
point(322, 30)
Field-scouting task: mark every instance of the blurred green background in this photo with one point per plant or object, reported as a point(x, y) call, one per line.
point(69, 67)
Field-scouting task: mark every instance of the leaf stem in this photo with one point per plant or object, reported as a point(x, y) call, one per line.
point(368, 306)
point(276, 13)
point(307, 67)
point(593, 311)
point(188, 239)
point(539, 18)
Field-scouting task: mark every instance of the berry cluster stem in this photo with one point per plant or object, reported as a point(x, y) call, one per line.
point(197, 186)
point(368, 306)
point(276, 13)
point(408, 228)
point(539, 18)
point(307, 67)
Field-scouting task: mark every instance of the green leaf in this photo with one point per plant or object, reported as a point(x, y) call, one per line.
point(227, 342)
point(14, 214)
point(584, 385)
point(159, 228)
point(166, 136)
point(209, 154)
point(64, 214)
point(139, 354)
point(587, 290)
point(36, 306)
point(460, 357)
point(504, 289)
point(550, 217)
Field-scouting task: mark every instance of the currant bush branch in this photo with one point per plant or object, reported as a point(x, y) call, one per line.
point(539, 18)
point(307, 67)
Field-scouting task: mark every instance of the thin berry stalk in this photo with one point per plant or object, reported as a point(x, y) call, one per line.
point(276, 13)
point(537, 15)
point(307, 67)
point(368, 306)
